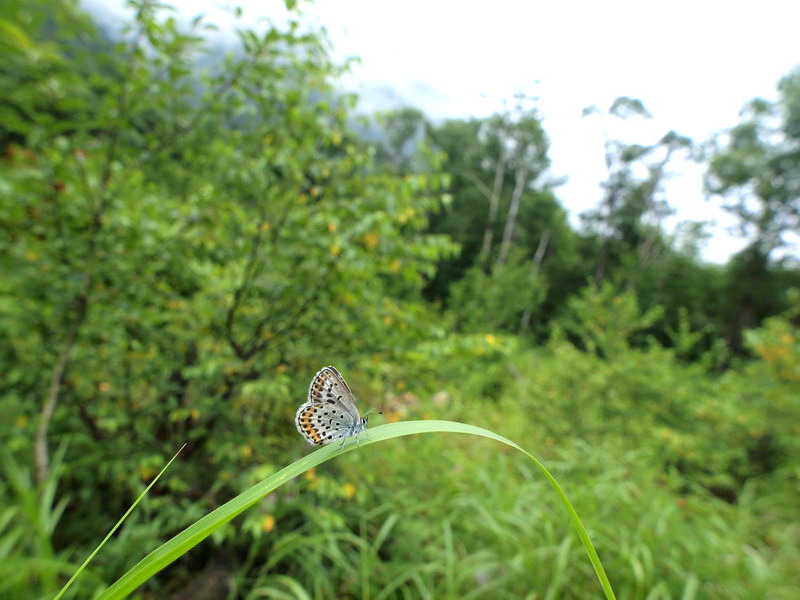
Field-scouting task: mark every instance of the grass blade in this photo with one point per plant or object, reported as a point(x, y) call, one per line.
point(113, 529)
point(200, 530)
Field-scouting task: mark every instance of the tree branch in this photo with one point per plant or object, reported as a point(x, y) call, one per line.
point(41, 455)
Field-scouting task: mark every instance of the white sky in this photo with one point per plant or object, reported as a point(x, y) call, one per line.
point(693, 64)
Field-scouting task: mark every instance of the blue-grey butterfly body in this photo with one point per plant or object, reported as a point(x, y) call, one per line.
point(330, 412)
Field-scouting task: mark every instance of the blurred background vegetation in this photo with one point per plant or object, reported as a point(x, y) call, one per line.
point(188, 235)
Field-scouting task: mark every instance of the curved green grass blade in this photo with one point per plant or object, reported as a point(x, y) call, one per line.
point(200, 530)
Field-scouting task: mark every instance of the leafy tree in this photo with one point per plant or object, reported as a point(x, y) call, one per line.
point(496, 301)
point(51, 53)
point(499, 172)
point(183, 239)
point(403, 132)
point(628, 221)
point(755, 170)
point(629, 247)
point(464, 218)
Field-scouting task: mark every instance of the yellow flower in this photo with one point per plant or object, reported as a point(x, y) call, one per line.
point(491, 340)
point(268, 524)
point(311, 474)
point(348, 490)
point(247, 451)
point(371, 240)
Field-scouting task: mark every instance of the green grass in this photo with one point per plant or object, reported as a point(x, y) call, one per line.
point(200, 530)
point(116, 526)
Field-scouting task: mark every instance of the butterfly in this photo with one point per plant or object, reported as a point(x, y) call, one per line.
point(330, 413)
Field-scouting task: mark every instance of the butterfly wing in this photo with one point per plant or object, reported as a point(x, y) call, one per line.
point(330, 413)
point(329, 387)
point(323, 423)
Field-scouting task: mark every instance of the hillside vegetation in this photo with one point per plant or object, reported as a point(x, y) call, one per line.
point(188, 235)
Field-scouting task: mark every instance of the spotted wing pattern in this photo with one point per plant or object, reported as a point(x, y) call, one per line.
point(330, 412)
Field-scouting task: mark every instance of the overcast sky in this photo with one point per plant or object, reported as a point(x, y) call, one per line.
point(693, 64)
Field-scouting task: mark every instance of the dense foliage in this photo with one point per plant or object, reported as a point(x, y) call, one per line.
point(186, 236)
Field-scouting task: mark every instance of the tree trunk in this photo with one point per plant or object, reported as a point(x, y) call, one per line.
point(513, 210)
point(494, 202)
point(525, 321)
